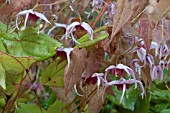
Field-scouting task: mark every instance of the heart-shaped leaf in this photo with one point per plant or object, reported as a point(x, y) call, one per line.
point(30, 43)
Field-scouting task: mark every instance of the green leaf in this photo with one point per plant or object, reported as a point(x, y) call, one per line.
point(2, 27)
point(2, 77)
point(51, 100)
point(15, 65)
point(94, 41)
point(2, 48)
point(129, 99)
point(30, 43)
point(53, 74)
point(57, 107)
point(29, 108)
point(12, 68)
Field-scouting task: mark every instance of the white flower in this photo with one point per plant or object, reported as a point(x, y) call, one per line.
point(32, 13)
point(125, 82)
point(157, 72)
point(110, 10)
point(55, 26)
point(71, 28)
point(153, 45)
point(68, 52)
point(119, 69)
point(141, 54)
point(75, 89)
point(136, 66)
point(162, 51)
point(99, 78)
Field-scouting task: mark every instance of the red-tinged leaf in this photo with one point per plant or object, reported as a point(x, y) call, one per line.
point(14, 6)
point(109, 47)
point(60, 94)
point(76, 68)
point(124, 11)
point(157, 34)
point(129, 32)
point(96, 102)
point(93, 62)
point(145, 27)
point(158, 10)
point(145, 73)
point(138, 10)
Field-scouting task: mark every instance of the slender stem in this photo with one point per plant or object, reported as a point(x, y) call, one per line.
point(85, 100)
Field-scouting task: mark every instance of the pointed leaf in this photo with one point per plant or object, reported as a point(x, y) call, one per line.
point(14, 6)
point(76, 68)
point(29, 108)
point(54, 74)
point(96, 102)
point(30, 43)
point(124, 12)
point(93, 62)
point(15, 65)
point(56, 107)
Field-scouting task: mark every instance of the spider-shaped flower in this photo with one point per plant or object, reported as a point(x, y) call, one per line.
point(118, 70)
point(157, 72)
point(162, 51)
point(67, 52)
point(123, 84)
point(72, 27)
point(30, 14)
point(69, 33)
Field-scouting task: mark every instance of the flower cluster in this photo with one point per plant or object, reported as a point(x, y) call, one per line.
point(122, 83)
point(157, 63)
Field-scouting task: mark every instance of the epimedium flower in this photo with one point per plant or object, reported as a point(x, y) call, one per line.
point(166, 63)
point(144, 57)
point(67, 52)
point(136, 66)
point(157, 72)
point(95, 78)
point(99, 78)
point(110, 10)
point(119, 70)
point(149, 60)
point(75, 25)
point(162, 51)
point(97, 4)
point(163, 64)
point(69, 30)
point(141, 52)
point(30, 14)
point(123, 84)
